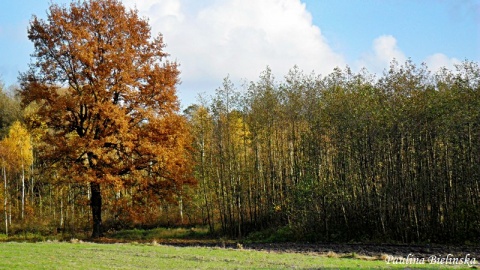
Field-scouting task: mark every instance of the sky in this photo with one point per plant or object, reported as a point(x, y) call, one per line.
point(212, 39)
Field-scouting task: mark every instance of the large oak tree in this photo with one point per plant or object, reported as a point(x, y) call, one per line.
point(107, 95)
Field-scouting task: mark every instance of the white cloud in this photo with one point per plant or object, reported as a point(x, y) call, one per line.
point(213, 38)
point(437, 61)
point(160, 9)
point(384, 50)
point(163, 13)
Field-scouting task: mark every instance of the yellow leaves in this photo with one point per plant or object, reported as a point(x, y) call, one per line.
point(18, 144)
point(4, 154)
point(38, 127)
point(240, 132)
point(23, 145)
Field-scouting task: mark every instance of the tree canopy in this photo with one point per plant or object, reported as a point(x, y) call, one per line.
point(9, 111)
point(344, 157)
point(107, 95)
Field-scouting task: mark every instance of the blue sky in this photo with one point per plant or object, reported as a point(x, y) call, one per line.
point(215, 38)
point(421, 27)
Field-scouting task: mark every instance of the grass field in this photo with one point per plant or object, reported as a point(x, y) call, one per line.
point(82, 255)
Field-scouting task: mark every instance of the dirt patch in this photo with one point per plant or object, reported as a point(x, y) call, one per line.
point(370, 249)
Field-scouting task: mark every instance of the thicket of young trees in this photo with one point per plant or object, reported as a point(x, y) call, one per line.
point(344, 157)
point(348, 156)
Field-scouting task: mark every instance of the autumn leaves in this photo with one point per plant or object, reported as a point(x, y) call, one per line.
point(107, 96)
point(16, 157)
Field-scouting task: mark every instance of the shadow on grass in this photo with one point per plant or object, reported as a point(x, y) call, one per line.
point(197, 233)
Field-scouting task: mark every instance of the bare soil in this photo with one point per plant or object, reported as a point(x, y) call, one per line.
point(371, 250)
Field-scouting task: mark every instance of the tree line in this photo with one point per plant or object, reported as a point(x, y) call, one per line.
point(348, 156)
point(94, 140)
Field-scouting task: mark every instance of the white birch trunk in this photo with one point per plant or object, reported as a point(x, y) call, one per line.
point(5, 200)
point(180, 204)
point(23, 191)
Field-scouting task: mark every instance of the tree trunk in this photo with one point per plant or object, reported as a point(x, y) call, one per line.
point(96, 205)
point(61, 208)
point(180, 206)
point(23, 191)
point(32, 196)
point(5, 200)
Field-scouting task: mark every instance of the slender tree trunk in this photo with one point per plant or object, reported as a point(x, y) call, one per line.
point(180, 207)
point(72, 199)
point(10, 214)
point(5, 200)
point(61, 208)
point(96, 206)
point(23, 191)
point(32, 197)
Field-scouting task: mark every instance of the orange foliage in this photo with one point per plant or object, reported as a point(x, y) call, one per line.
point(108, 97)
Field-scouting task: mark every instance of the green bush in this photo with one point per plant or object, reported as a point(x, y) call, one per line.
point(161, 233)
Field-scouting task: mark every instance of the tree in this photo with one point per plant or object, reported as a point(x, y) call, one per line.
point(201, 126)
point(107, 95)
point(4, 153)
point(16, 156)
point(19, 143)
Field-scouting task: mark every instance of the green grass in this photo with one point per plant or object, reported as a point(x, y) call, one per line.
point(78, 255)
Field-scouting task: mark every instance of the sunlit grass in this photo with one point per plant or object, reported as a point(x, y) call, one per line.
point(82, 255)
